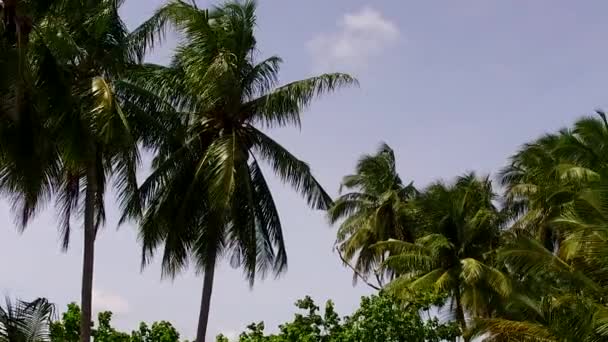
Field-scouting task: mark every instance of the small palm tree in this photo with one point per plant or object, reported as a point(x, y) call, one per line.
point(461, 228)
point(374, 209)
point(207, 196)
point(26, 321)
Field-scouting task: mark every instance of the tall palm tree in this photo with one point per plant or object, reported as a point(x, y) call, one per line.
point(461, 226)
point(71, 135)
point(22, 321)
point(207, 196)
point(374, 209)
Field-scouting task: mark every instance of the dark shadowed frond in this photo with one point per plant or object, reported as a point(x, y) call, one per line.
point(290, 169)
point(22, 321)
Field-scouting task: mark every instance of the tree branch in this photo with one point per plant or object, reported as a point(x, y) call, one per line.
point(357, 273)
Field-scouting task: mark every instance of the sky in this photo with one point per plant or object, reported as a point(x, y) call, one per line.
point(451, 86)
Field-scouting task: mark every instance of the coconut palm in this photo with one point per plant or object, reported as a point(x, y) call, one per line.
point(531, 181)
point(554, 298)
point(560, 295)
point(71, 135)
point(22, 321)
point(24, 91)
point(207, 196)
point(544, 176)
point(454, 256)
point(374, 209)
point(585, 144)
point(561, 291)
point(548, 319)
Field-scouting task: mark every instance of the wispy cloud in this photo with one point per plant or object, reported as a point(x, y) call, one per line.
point(359, 37)
point(105, 301)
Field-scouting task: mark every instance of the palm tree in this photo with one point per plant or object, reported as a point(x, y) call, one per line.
point(548, 319)
point(544, 176)
point(374, 209)
point(26, 321)
point(585, 144)
point(207, 196)
point(559, 296)
point(461, 228)
point(560, 291)
point(72, 134)
point(531, 180)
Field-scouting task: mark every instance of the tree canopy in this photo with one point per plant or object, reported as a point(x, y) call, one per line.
point(380, 318)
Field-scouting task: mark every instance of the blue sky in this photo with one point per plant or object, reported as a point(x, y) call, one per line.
point(452, 86)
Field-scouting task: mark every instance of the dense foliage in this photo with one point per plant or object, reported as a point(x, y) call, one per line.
point(525, 266)
point(22, 321)
point(67, 329)
point(380, 318)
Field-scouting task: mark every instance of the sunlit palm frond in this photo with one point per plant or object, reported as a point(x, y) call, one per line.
point(284, 105)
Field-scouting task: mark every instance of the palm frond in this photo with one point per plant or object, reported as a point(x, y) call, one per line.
point(290, 169)
point(284, 105)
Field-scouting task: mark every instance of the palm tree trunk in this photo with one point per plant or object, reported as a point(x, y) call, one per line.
point(460, 316)
point(203, 317)
point(89, 254)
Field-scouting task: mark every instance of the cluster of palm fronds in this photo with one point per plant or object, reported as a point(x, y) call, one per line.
point(22, 321)
point(77, 104)
point(531, 265)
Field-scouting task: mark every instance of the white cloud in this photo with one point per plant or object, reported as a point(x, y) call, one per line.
point(360, 36)
point(105, 301)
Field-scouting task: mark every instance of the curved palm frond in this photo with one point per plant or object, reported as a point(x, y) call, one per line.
point(22, 321)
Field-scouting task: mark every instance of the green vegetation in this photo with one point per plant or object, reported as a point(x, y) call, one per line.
point(78, 106)
point(525, 266)
point(379, 318)
point(68, 329)
point(25, 321)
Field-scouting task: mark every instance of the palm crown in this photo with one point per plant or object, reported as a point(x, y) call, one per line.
point(460, 229)
point(207, 195)
point(220, 95)
point(375, 208)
